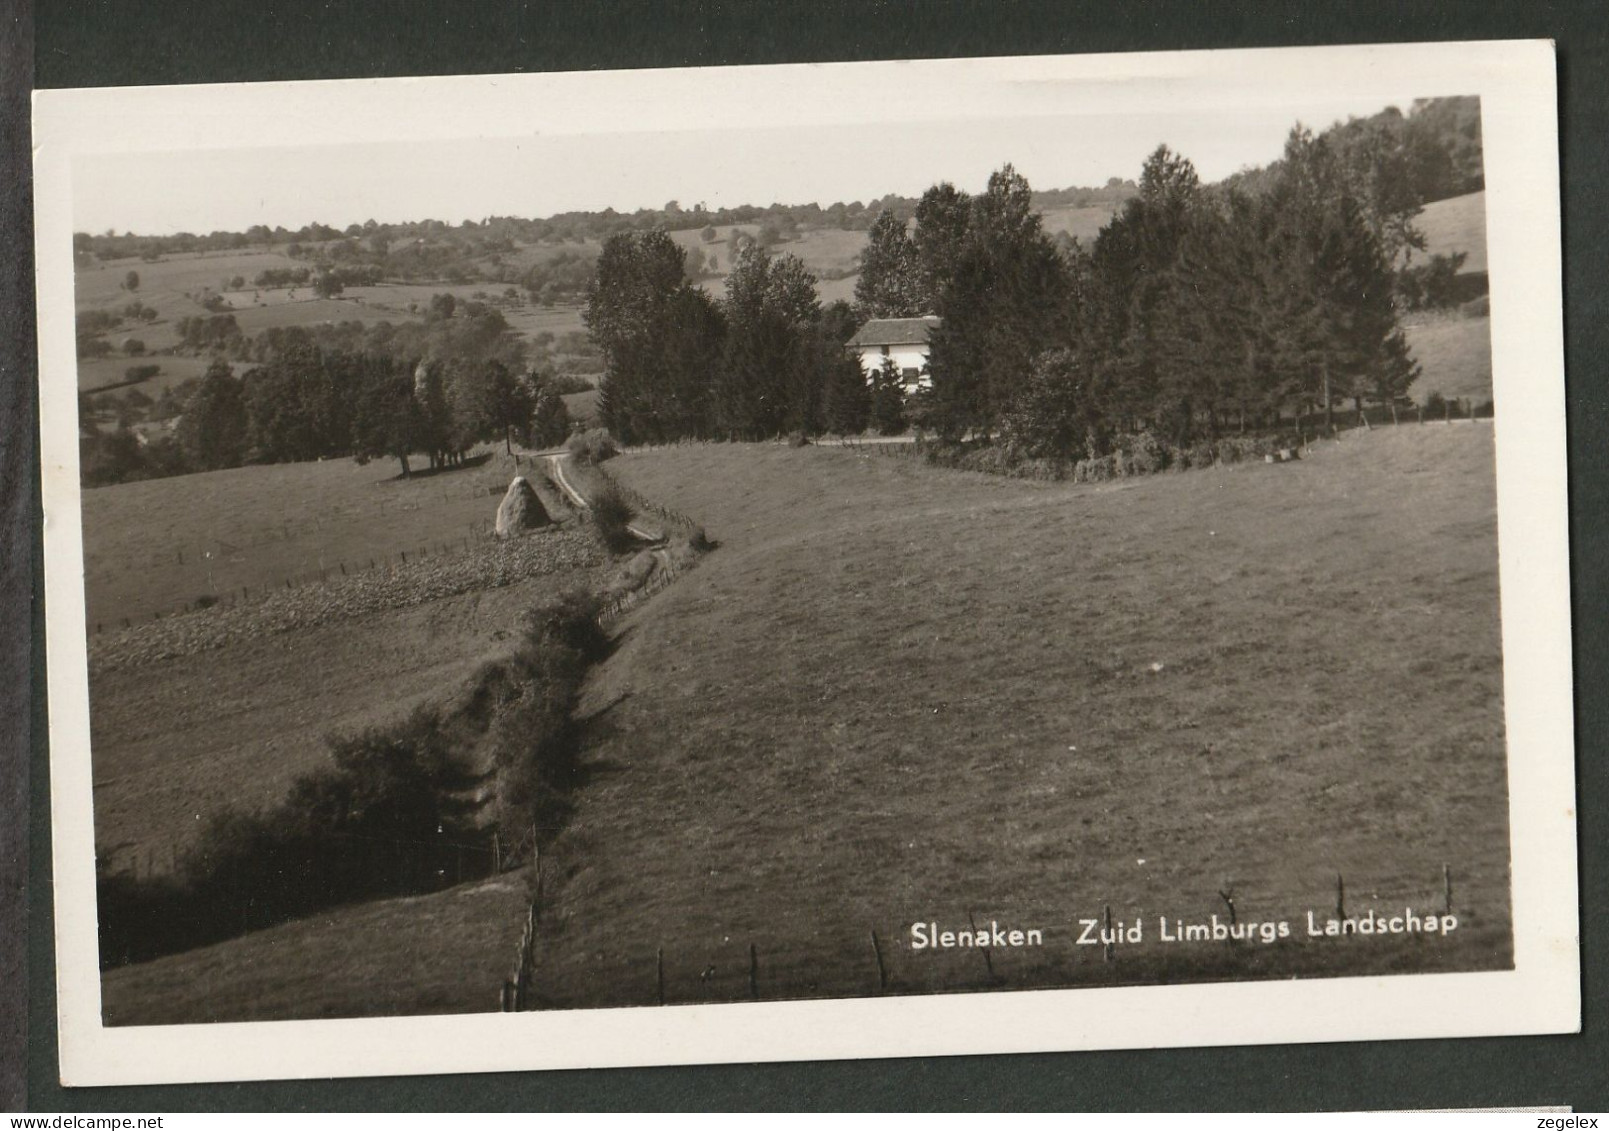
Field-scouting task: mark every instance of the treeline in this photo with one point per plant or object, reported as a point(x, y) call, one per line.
point(764, 360)
point(420, 247)
point(1396, 161)
point(1197, 311)
point(310, 403)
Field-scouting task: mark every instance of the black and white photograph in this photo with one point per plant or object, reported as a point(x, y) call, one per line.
point(756, 563)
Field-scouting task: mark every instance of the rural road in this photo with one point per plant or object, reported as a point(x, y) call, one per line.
point(557, 461)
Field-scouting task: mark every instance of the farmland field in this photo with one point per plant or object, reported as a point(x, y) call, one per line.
point(1084, 224)
point(1455, 355)
point(190, 735)
point(172, 277)
point(582, 407)
point(98, 372)
point(441, 953)
point(900, 694)
point(155, 545)
point(1456, 224)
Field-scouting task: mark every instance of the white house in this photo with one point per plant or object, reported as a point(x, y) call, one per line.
point(904, 340)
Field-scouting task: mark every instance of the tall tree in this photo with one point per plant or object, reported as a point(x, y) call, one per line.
point(891, 283)
point(769, 308)
point(943, 217)
point(550, 419)
point(1336, 298)
point(638, 297)
point(1006, 299)
point(212, 430)
point(386, 420)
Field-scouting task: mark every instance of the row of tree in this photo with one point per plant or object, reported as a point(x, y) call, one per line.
point(1197, 309)
point(312, 404)
point(764, 360)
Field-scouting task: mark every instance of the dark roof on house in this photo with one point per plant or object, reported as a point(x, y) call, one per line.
point(894, 332)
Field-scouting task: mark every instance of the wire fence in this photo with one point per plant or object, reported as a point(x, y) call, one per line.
point(972, 950)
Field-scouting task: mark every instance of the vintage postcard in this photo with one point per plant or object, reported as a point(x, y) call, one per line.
point(760, 563)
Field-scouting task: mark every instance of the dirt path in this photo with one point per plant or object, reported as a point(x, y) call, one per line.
point(557, 463)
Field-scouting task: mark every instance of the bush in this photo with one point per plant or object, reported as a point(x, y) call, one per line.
point(392, 813)
point(1202, 453)
point(1140, 453)
point(532, 739)
point(1096, 470)
point(387, 817)
point(611, 514)
point(595, 445)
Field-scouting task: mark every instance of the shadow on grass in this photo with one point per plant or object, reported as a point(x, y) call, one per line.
point(468, 463)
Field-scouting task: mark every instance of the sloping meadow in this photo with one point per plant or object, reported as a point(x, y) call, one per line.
point(901, 695)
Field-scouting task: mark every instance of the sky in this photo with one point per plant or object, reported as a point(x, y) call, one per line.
point(739, 138)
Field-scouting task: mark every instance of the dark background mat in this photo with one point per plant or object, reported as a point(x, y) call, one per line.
point(61, 43)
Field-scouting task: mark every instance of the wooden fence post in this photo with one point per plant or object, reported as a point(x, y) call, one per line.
point(1229, 901)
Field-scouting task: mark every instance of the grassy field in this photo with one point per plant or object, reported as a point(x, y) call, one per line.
point(900, 694)
point(96, 373)
point(1082, 223)
point(235, 726)
point(583, 407)
point(169, 280)
point(155, 545)
point(1455, 356)
point(1457, 224)
point(442, 953)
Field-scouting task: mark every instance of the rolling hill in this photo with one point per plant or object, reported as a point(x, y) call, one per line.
point(899, 694)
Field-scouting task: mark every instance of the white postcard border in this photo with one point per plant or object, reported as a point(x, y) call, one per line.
point(1516, 82)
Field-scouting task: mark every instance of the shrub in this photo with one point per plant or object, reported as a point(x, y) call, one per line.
point(386, 817)
point(532, 738)
point(611, 514)
point(1095, 470)
point(1139, 453)
point(1202, 453)
point(595, 445)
